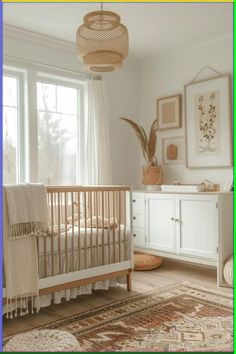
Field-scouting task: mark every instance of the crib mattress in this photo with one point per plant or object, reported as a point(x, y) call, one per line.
point(74, 239)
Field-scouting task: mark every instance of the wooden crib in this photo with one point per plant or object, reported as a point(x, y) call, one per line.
point(89, 237)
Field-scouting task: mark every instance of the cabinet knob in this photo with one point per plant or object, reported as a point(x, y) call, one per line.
point(172, 219)
point(177, 220)
point(134, 217)
point(134, 200)
point(134, 235)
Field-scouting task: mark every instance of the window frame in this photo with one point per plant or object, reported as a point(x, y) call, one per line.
point(20, 75)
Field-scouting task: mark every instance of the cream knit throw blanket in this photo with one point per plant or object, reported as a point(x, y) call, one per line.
point(27, 210)
point(25, 216)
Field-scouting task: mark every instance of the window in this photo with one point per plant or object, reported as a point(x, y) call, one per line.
point(42, 125)
point(11, 128)
point(58, 132)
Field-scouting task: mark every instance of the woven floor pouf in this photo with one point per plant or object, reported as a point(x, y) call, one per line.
point(45, 340)
point(144, 261)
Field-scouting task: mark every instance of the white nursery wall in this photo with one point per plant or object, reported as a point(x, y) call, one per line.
point(167, 76)
point(122, 95)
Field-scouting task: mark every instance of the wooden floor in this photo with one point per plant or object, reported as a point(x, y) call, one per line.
point(169, 273)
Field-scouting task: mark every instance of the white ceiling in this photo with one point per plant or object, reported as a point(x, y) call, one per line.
point(153, 28)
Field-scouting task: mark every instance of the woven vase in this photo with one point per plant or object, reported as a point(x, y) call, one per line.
point(152, 175)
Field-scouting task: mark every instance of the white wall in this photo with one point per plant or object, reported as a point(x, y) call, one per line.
point(166, 76)
point(122, 93)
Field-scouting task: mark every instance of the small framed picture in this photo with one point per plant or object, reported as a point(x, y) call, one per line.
point(169, 112)
point(173, 150)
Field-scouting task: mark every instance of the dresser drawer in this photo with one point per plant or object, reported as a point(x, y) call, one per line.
point(139, 238)
point(138, 202)
point(138, 220)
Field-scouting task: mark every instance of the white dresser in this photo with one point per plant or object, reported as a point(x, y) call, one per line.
point(193, 227)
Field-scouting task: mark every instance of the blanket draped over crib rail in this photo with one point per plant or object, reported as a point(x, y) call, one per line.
point(25, 217)
point(27, 210)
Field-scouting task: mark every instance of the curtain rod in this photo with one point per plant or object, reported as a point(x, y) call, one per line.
point(90, 76)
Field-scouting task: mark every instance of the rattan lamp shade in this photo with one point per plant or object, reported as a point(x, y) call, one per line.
point(102, 41)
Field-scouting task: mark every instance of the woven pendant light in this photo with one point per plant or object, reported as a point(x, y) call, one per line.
point(102, 41)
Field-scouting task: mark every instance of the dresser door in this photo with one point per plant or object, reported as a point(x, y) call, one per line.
point(160, 216)
point(196, 225)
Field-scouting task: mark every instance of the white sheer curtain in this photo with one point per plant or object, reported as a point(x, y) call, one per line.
point(97, 159)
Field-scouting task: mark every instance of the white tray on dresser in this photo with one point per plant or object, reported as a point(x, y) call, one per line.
point(182, 188)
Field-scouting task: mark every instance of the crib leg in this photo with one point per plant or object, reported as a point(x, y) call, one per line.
point(129, 281)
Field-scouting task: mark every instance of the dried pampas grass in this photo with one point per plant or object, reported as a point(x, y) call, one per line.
point(148, 145)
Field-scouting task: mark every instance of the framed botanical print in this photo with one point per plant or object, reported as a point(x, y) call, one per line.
point(208, 123)
point(169, 112)
point(173, 150)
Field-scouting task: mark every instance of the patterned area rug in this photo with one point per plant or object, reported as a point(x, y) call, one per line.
point(179, 318)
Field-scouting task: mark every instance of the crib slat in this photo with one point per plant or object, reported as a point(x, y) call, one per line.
point(94, 214)
point(103, 246)
point(85, 231)
point(119, 221)
point(66, 245)
point(73, 229)
point(109, 227)
point(114, 235)
point(97, 234)
point(52, 241)
point(59, 230)
point(78, 211)
point(125, 236)
point(91, 228)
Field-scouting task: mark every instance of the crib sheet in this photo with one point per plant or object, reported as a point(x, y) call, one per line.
point(86, 238)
